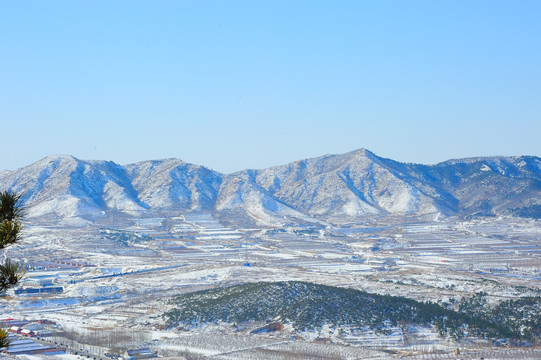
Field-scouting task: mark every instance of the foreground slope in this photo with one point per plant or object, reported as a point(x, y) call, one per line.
point(308, 306)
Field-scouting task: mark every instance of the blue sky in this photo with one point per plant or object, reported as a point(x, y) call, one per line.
point(250, 84)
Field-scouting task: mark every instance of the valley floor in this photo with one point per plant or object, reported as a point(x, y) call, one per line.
point(113, 281)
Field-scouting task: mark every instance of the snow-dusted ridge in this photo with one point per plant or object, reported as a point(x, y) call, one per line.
point(355, 185)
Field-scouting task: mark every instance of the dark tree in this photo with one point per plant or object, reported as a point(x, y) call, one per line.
point(11, 212)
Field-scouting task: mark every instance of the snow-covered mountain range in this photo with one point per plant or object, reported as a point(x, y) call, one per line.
point(331, 188)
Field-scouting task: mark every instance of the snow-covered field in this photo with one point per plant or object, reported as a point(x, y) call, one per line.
point(116, 278)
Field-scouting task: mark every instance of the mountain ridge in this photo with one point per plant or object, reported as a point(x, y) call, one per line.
point(331, 188)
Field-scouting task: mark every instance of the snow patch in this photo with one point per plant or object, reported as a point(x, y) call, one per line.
point(485, 168)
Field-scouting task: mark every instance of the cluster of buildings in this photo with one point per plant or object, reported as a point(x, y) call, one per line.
point(137, 354)
point(28, 328)
point(29, 337)
point(24, 337)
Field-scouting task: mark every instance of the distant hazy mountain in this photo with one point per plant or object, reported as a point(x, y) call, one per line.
point(347, 187)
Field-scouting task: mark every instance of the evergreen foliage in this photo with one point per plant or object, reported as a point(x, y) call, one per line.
point(124, 238)
point(532, 211)
point(11, 212)
point(9, 232)
point(308, 306)
point(10, 206)
point(4, 338)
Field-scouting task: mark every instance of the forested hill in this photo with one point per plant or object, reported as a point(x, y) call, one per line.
point(308, 306)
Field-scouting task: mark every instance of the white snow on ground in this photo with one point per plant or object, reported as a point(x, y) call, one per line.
point(50, 357)
point(124, 286)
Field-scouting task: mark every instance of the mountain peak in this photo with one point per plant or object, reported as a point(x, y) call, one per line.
point(362, 152)
point(58, 158)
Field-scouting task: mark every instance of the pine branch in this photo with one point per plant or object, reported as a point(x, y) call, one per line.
point(10, 274)
point(10, 206)
point(9, 232)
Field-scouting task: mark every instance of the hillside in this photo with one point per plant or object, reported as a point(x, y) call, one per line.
point(342, 188)
point(308, 306)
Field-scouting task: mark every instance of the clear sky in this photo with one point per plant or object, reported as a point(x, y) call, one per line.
point(250, 84)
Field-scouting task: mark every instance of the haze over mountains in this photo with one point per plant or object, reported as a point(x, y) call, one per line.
point(332, 188)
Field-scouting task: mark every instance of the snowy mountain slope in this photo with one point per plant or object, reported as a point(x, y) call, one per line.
point(478, 185)
point(505, 183)
point(251, 200)
point(351, 186)
point(174, 184)
point(64, 186)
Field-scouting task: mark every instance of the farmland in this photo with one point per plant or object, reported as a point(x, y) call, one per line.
point(117, 279)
